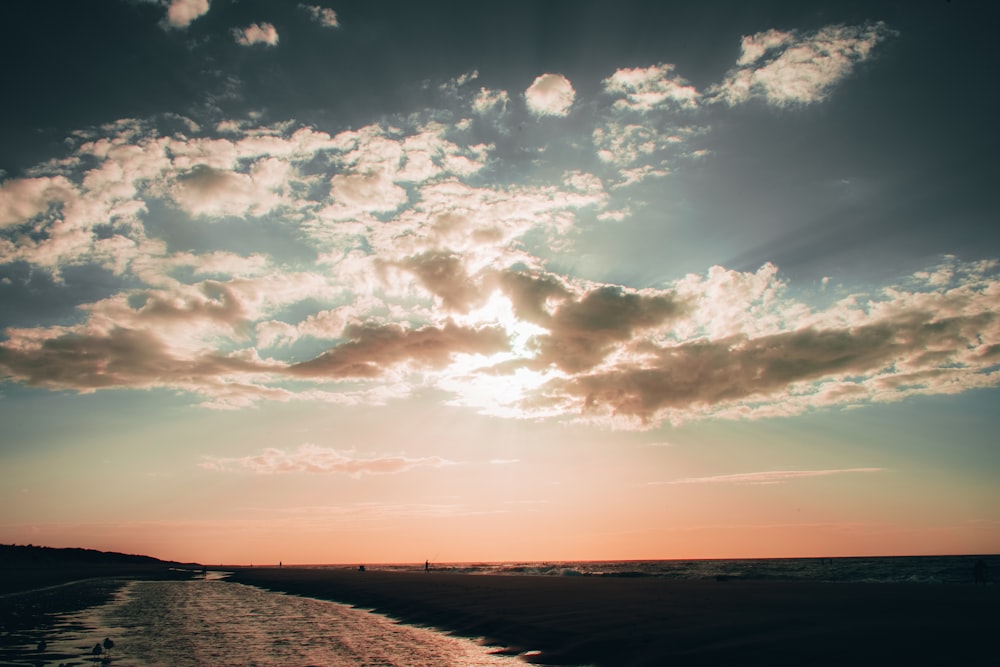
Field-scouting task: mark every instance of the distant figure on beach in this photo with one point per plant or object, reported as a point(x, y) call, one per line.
point(427, 566)
point(279, 564)
point(361, 568)
point(979, 571)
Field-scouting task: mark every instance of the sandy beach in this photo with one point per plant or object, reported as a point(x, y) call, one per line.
point(609, 621)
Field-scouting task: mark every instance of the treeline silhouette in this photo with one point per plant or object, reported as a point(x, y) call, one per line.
point(13, 554)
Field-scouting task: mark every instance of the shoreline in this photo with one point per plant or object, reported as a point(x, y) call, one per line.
point(31, 598)
point(609, 621)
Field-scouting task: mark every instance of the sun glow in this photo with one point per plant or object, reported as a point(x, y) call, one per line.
point(499, 310)
point(469, 379)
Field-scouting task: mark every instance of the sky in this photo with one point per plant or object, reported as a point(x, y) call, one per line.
point(392, 281)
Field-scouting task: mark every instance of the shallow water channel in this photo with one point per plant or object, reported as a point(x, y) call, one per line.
point(217, 623)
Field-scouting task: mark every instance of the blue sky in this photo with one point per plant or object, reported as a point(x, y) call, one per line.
point(386, 268)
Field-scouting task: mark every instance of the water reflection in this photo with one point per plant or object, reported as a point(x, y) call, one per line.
point(208, 622)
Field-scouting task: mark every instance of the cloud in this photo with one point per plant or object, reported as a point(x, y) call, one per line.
point(262, 33)
point(771, 476)
point(309, 458)
point(116, 358)
point(491, 102)
point(444, 275)
point(321, 15)
point(175, 338)
point(550, 95)
point(754, 47)
point(180, 13)
point(432, 262)
point(584, 330)
point(208, 192)
point(788, 68)
point(647, 88)
point(371, 349)
point(796, 370)
point(24, 198)
point(356, 194)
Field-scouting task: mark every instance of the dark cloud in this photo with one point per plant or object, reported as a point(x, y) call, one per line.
point(117, 358)
point(220, 305)
point(374, 348)
point(712, 373)
point(584, 330)
point(443, 274)
point(530, 294)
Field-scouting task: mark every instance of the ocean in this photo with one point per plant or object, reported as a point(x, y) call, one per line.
point(896, 569)
point(212, 622)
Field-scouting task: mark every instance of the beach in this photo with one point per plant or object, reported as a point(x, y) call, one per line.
point(31, 597)
point(614, 621)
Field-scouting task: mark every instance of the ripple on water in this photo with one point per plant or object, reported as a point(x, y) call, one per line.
point(161, 623)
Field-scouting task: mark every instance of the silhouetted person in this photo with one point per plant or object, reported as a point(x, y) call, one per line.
point(361, 568)
point(279, 564)
point(979, 571)
point(427, 566)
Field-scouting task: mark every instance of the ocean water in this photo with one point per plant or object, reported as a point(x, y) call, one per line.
point(900, 569)
point(214, 623)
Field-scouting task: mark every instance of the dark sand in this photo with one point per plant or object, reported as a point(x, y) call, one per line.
point(610, 621)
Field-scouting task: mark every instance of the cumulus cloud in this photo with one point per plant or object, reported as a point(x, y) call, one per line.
point(900, 351)
point(431, 265)
point(648, 88)
point(180, 13)
point(309, 458)
point(371, 350)
point(771, 476)
point(491, 102)
point(257, 33)
point(209, 192)
point(786, 68)
point(444, 275)
point(356, 194)
point(23, 198)
point(321, 15)
point(550, 95)
point(584, 329)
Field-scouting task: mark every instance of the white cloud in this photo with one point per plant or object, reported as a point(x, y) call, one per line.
point(207, 192)
point(309, 458)
point(641, 150)
point(754, 47)
point(491, 102)
point(430, 272)
point(647, 88)
point(322, 15)
point(550, 95)
point(354, 195)
point(789, 68)
point(180, 13)
point(771, 476)
point(257, 33)
point(24, 198)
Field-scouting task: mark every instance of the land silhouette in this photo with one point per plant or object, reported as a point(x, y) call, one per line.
point(600, 621)
point(36, 583)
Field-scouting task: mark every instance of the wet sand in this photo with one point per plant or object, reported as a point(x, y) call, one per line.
point(609, 621)
point(31, 597)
